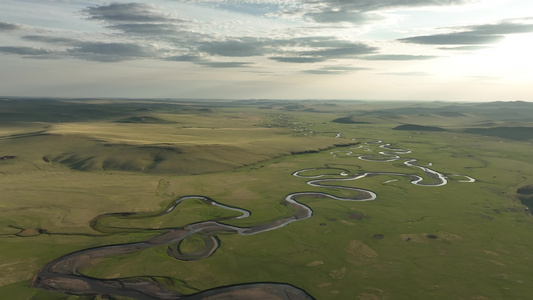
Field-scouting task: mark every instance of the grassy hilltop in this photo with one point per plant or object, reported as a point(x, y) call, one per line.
point(83, 173)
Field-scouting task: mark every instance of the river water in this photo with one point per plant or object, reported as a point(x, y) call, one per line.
point(63, 274)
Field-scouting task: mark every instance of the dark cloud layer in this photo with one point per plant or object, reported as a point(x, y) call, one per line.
point(127, 12)
point(140, 27)
point(146, 20)
point(23, 50)
point(207, 63)
point(234, 47)
point(333, 16)
point(318, 49)
point(297, 59)
point(141, 31)
point(49, 39)
point(360, 11)
point(332, 70)
point(397, 57)
point(460, 38)
point(139, 19)
point(349, 51)
point(472, 35)
point(222, 64)
point(148, 29)
point(463, 48)
point(189, 58)
point(111, 52)
point(372, 5)
point(9, 26)
point(506, 27)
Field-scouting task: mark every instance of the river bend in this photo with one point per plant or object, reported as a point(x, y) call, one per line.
point(63, 274)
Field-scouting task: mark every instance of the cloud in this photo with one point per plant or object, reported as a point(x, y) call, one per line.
point(191, 58)
point(258, 8)
point(318, 49)
point(207, 63)
point(111, 52)
point(264, 6)
point(373, 5)
point(333, 16)
point(127, 12)
point(221, 64)
point(143, 31)
point(295, 50)
point(505, 27)
point(234, 47)
point(146, 21)
point(148, 29)
point(146, 24)
point(473, 35)
point(397, 57)
point(463, 48)
point(23, 50)
point(297, 59)
point(355, 11)
point(49, 39)
point(138, 19)
point(9, 26)
point(350, 50)
point(331, 70)
point(459, 38)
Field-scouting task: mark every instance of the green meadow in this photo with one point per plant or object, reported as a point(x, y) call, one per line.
point(79, 174)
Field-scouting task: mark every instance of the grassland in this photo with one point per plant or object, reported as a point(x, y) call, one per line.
point(77, 160)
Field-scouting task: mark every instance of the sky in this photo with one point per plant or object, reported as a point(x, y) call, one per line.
point(448, 50)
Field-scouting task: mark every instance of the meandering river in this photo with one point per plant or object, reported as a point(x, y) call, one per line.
point(63, 274)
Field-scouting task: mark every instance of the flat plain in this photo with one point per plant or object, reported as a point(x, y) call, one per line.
point(449, 219)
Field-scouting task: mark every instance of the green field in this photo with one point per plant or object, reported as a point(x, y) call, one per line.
point(80, 174)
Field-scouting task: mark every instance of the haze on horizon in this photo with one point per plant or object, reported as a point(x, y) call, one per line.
point(458, 50)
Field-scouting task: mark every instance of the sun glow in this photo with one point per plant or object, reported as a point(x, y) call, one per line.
point(509, 60)
point(512, 57)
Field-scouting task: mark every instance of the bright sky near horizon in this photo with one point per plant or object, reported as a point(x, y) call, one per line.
point(458, 50)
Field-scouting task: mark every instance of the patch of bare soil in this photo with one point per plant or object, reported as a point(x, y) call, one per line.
point(29, 232)
point(325, 284)
point(338, 274)
point(315, 263)
point(359, 253)
point(16, 271)
point(65, 284)
point(356, 216)
point(347, 223)
point(479, 297)
point(373, 294)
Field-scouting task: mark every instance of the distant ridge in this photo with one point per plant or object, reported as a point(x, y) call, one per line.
point(144, 120)
point(348, 120)
point(418, 127)
point(513, 133)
